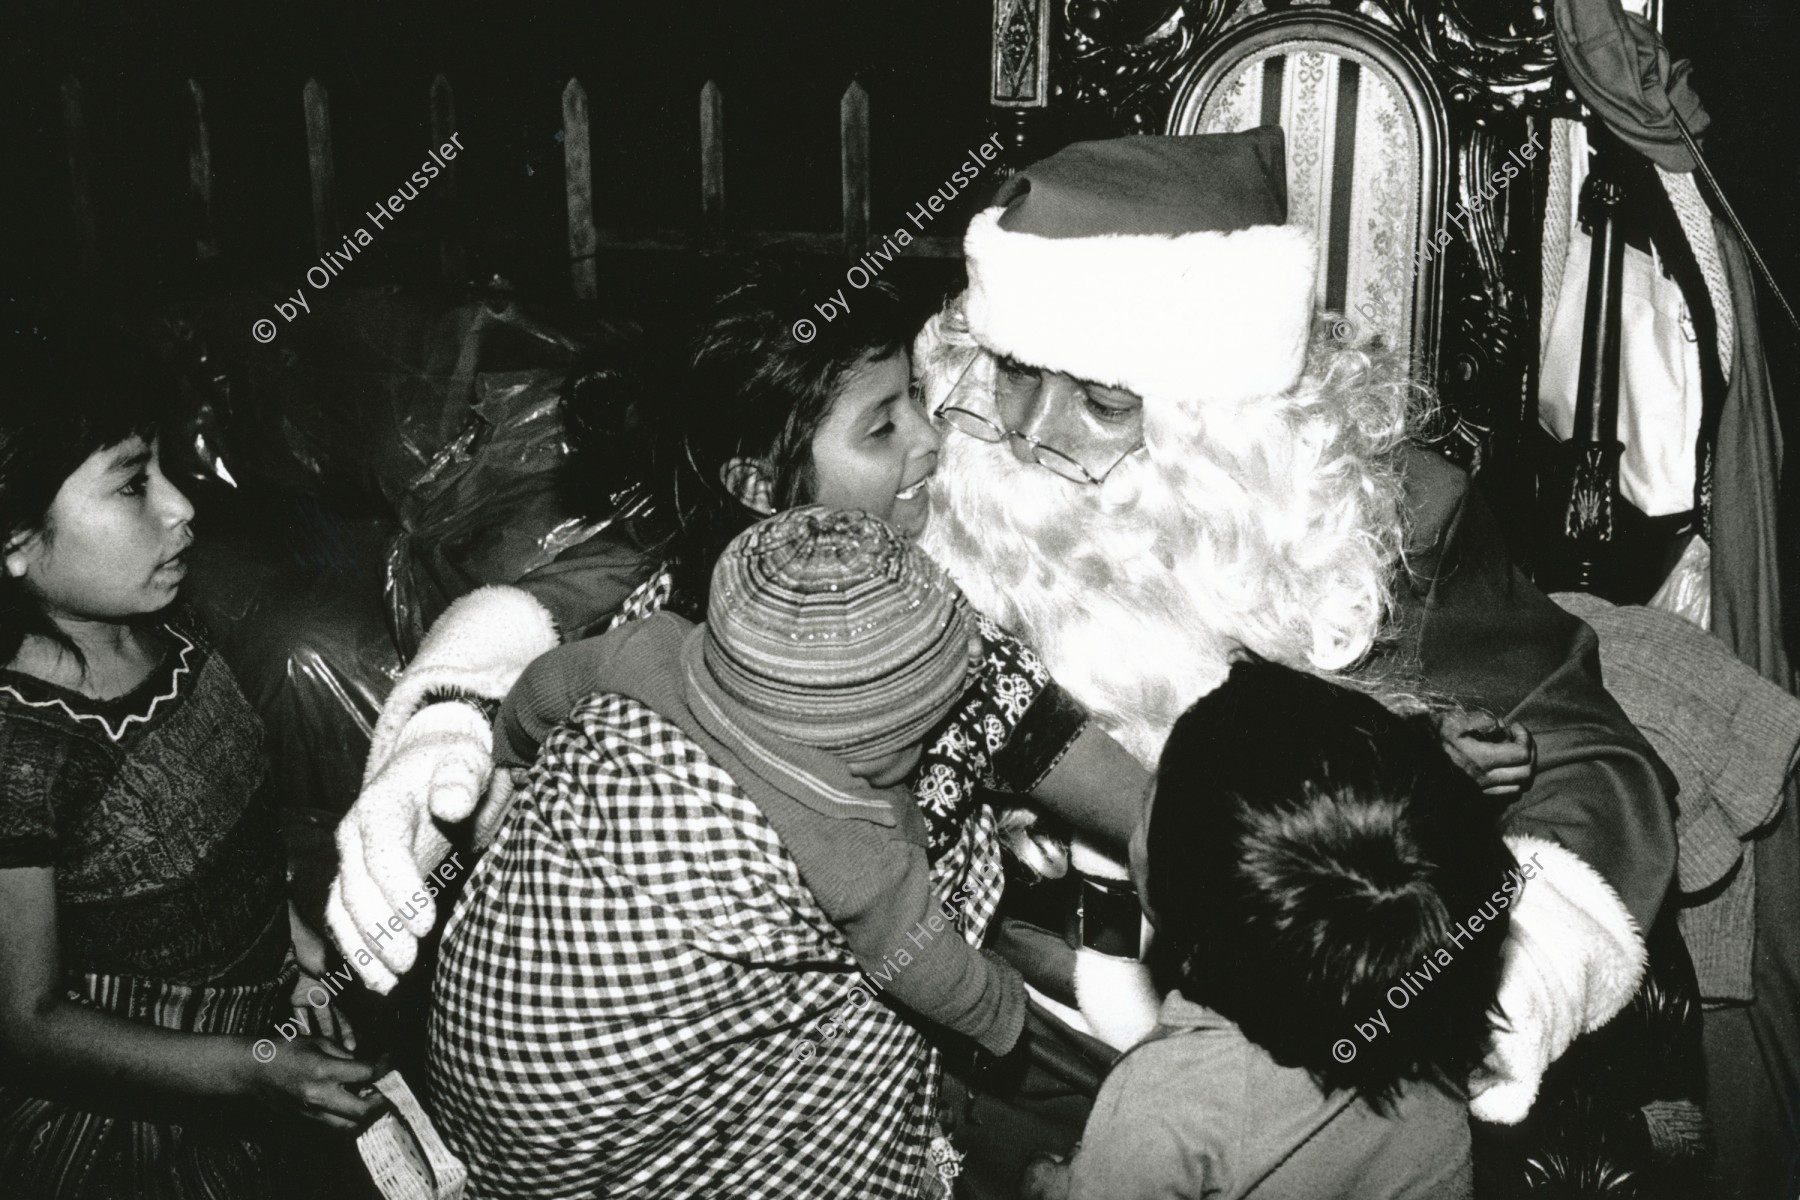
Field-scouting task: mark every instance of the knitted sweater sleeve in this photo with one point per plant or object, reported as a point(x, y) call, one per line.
point(544, 696)
point(874, 882)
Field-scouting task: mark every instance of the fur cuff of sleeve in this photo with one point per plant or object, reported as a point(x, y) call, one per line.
point(1118, 1001)
point(1573, 959)
point(480, 646)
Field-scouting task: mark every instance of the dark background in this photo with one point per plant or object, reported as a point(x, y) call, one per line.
point(782, 67)
point(1746, 56)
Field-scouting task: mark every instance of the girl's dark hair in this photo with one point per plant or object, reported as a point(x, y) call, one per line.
point(65, 393)
point(655, 428)
point(1309, 854)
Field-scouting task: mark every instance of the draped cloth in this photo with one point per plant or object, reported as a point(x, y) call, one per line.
point(1621, 69)
point(83, 1151)
point(638, 996)
point(1753, 1050)
point(1746, 551)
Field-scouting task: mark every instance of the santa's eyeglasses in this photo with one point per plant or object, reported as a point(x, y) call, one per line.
point(986, 429)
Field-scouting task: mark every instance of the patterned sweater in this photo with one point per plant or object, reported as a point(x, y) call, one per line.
point(168, 858)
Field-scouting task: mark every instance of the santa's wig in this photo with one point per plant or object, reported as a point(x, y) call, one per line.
point(1272, 523)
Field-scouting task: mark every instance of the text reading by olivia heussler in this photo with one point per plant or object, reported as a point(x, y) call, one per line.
point(881, 255)
point(1413, 983)
point(335, 259)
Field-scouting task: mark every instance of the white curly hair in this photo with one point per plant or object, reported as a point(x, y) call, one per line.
point(1273, 524)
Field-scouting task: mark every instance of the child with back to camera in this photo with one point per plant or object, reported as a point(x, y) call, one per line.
point(832, 647)
point(1295, 891)
point(146, 942)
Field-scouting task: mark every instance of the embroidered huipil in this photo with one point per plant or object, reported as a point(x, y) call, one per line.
point(639, 997)
point(170, 901)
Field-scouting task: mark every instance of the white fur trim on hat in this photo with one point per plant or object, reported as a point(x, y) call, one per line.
point(1117, 997)
point(1195, 316)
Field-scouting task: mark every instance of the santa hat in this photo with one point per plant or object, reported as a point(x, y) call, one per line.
point(1157, 264)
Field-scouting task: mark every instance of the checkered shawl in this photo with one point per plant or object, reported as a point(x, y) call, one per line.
point(638, 996)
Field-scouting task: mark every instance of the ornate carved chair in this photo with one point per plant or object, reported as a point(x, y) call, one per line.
point(1396, 111)
point(1367, 138)
point(1411, 127)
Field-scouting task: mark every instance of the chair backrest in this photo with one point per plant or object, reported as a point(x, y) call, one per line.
point(1400, 116)
point(1367, 159)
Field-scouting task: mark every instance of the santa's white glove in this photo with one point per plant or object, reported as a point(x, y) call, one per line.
point(388, 841)
point(1573, 959)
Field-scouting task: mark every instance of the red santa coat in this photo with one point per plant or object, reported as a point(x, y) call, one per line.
point(1484, 635)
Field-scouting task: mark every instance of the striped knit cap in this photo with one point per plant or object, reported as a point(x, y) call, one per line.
point(837, 632)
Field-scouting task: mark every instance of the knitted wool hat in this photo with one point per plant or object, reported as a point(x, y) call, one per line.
point(1157, 264)
point(837, 632)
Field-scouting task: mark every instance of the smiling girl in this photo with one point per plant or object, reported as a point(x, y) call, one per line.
point(145, 938)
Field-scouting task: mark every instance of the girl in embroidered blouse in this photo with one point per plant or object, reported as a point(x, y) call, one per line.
point(147, 948)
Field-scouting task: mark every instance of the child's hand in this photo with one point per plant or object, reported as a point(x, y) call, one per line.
point(315, 1079)
point(327, 1020)
point(1499, 758)
point(1046, 1177)
point(309, 948)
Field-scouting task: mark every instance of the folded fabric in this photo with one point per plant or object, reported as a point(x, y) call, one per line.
point(1731, 738)
point(1620, 68)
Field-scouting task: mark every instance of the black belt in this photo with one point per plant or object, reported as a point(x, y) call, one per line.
point(1104, 915)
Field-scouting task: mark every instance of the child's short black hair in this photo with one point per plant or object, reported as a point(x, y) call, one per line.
point(1308, 854)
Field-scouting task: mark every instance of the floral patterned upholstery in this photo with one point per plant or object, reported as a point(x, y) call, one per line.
point(1353, 171)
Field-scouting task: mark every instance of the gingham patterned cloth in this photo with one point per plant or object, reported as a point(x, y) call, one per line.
point(638, 997)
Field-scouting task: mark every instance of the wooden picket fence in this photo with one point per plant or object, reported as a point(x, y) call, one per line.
point(585, 240)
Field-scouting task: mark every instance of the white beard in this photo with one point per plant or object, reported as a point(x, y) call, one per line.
point(1138, 593)
point(1273, 525)
point(1089, 587)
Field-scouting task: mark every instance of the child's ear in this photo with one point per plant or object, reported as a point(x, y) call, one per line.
point(748, 480)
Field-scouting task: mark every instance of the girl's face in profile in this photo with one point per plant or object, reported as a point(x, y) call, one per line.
point(114, 541)
point(876, 448)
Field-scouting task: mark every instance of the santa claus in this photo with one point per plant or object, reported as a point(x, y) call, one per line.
point(1149, 465)
point(1154, 465)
